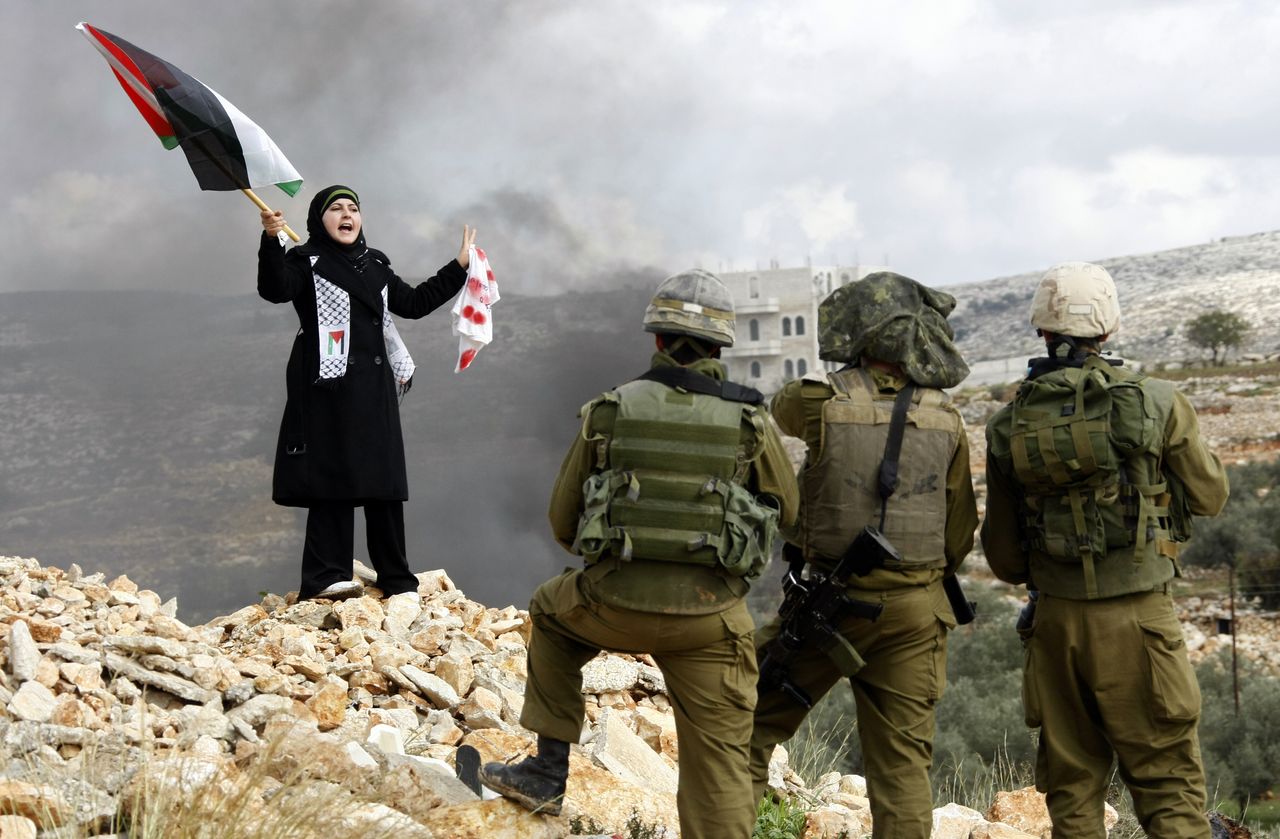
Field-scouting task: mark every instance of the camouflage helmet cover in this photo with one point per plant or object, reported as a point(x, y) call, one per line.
point(892, 318)
point(693, 302)
point(1077, 299)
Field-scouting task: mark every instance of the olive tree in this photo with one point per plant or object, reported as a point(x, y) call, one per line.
point(1217, 331)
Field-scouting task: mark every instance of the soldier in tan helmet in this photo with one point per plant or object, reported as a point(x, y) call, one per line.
point(672, 494)
point(1093, 472)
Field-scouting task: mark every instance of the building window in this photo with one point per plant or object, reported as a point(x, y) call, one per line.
point(786, 327)
point(753, 287)
point(844, 279)
point(799, 326)
point(754, 329)
point(789, 370)
point(755, 369)
point(801, 367)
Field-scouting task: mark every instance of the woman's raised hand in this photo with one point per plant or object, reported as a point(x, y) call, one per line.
point(468, 241)
point(272, 222)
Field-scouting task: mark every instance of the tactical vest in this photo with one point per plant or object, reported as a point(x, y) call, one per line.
point(839, 487)
point(670, 487)
point(1085, 445)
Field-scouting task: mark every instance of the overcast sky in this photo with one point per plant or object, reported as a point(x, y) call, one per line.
point(958, 140)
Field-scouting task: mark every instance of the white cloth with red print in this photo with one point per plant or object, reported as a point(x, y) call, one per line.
point(473, 310)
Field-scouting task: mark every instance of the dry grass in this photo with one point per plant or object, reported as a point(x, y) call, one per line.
point(189, 796)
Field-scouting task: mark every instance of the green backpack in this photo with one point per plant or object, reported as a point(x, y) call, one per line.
point(1075, 443)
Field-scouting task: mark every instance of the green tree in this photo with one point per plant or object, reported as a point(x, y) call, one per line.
point(1246, 534)
point(1241, 751)
point(1217, 331)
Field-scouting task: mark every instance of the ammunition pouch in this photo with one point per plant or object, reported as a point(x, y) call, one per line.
point(741, 546)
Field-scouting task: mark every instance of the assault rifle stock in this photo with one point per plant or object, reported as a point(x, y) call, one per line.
point(812, 608)
point(962, 607)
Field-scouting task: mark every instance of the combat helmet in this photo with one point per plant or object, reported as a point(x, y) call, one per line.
point(1076, 299)
point(893, 318)
point(695, 303)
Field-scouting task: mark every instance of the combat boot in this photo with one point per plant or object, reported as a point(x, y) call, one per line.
point(536, 782)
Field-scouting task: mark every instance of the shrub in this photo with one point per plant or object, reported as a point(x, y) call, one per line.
point(1246, 535)
point(1217, 331)
point(1241, 751)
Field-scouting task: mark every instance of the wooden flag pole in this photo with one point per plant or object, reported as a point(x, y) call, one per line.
point(262, 206)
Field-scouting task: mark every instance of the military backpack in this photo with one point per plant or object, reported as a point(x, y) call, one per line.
point(1085, 443)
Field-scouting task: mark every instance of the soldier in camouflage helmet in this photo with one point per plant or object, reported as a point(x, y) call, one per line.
point(1093, 472)
point(894, 319)
point(892, 334)
point(672, 493)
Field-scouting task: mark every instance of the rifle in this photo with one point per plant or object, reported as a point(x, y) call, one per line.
point(1027, 615)
point(811, 611)
point(962, 607)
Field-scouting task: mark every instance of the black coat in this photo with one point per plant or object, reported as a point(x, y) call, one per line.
point(344, 443)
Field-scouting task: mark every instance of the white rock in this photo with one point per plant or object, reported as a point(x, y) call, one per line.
point(434, 764)
point(387, 738)
point(402, 610)
point(854, 785)
point(33, 702)
point(609, 673)
point(261, 708)
point(360, 757)
point(17, 827)
point(619, 750)
point(955, 822)
point(24, 656)
point(432, 686)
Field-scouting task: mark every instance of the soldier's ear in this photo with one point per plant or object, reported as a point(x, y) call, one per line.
point(657, 342)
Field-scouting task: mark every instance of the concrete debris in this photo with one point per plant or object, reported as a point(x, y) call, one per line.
point(351, 711)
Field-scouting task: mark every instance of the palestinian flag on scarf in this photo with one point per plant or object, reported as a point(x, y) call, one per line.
point(225, 148)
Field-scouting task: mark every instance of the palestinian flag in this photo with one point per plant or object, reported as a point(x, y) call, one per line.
point(225, 148)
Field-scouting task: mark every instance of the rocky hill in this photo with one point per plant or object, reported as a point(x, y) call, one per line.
point(313, 719)
point(1159, 292)
point(138, 428)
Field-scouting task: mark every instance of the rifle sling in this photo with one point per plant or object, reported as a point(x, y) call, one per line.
point(893, 448)
point(686, 379)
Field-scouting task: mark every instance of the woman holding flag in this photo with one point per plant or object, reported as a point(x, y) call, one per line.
point(340, 444)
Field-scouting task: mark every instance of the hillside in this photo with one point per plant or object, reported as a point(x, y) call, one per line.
point(1159, 292)
point(137, 429)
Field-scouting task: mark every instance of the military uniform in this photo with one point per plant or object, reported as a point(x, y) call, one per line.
point(1109, 676)
point(930, 520)
point(1106, 673)
point(690, 617)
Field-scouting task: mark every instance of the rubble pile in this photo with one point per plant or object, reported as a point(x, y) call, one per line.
point(315, 718)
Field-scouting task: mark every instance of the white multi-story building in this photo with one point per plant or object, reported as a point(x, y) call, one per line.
point(777, 329)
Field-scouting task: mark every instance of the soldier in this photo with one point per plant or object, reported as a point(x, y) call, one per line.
point(892, 335)
point(672, 493)
point(1092, 474)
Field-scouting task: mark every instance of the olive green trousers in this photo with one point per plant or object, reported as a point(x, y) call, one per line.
point(895, 694)
point(709, 666)
point(1109, 680)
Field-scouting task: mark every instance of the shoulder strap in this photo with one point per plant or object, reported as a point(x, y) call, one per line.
point(893, 447)
point(853, 384)
point(686, 379)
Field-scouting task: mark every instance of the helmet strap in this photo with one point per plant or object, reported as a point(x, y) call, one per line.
point(698, 348)
point(1069, 347)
